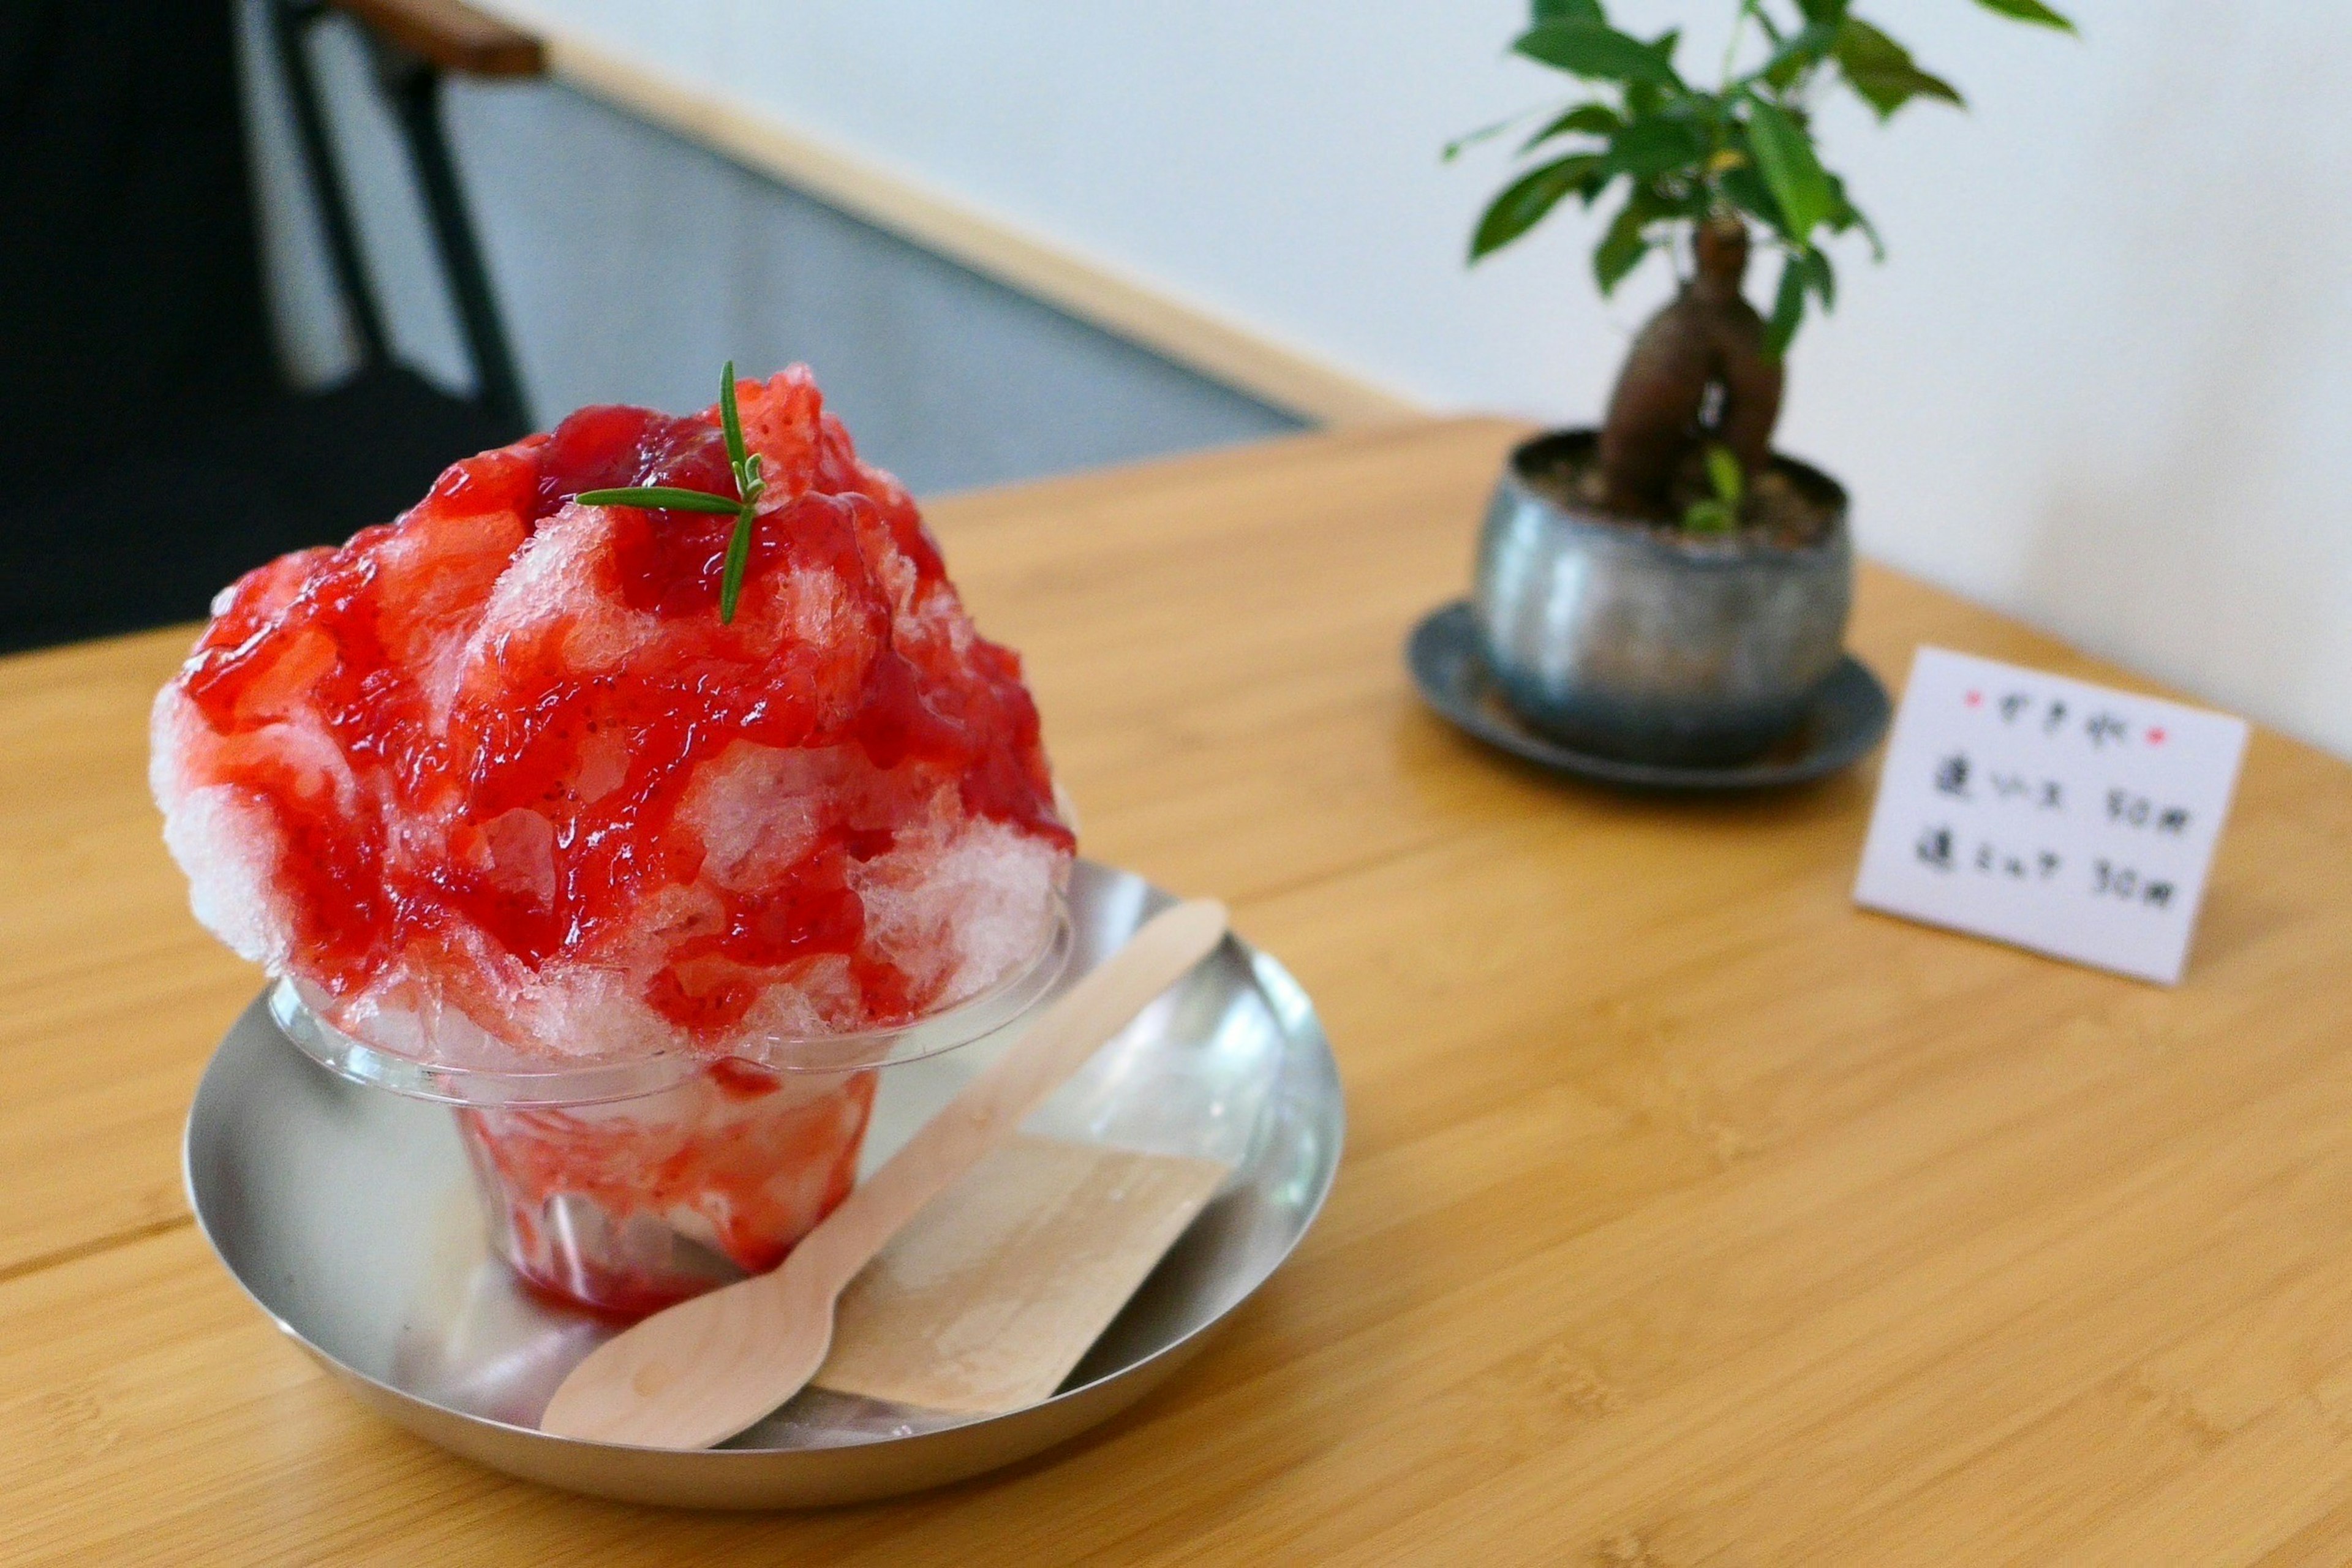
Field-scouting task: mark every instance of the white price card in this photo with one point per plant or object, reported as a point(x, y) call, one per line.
point(2050, 812)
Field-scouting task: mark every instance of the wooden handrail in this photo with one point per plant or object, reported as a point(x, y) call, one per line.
point(453, 36)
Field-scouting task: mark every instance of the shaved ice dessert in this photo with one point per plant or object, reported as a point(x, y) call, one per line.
point(496, 786)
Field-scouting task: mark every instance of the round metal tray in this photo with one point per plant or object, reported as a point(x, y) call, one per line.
point(346, 1212)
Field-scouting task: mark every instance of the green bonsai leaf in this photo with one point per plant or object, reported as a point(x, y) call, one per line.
point(2028, 11)
point(1722, 471)
point(1455, 148)
point(1658, 145)
point(1709, 516)
point(1585, 119)
point(1626, 242)
point(1820, 277)
point(1845, 216)
point(1743, 185)
point(1795, 56)
point(1601, 53)
point(1643, 98)
point(1788, 308)
point(1883, 72)
point(1784, 154)
point(1526, 200)
point(1738, 153)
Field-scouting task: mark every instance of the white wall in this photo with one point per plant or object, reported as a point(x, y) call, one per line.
point(2102, 381)
point(629, 264)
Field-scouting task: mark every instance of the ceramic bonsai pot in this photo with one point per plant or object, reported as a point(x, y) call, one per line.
point(1654, 643)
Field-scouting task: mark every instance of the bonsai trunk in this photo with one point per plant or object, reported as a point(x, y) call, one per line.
point(1697, 374)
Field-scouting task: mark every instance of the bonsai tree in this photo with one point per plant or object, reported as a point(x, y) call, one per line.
point(1706, 174)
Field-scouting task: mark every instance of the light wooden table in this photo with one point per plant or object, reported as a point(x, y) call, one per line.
point(1689, 1215)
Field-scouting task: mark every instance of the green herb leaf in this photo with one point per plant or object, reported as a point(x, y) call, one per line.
point(1526, 200)
point(1622, 248)
point(730, 422)
point(1585, 119)
point(1883, 71)
point(1601, 53)
point(1544, 11)
point(748, 484)
point(1724, 472)
point(671, 498)
point(1784, 152)
point(747, 466)
point(738, 556)
point(1788, 308)
point(1830, 11)
point(2032, 11)
point(659, 497)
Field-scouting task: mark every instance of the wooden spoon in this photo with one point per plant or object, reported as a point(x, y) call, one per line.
point(698, 1372)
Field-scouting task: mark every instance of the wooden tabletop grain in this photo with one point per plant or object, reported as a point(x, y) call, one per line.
point(1689, 1215)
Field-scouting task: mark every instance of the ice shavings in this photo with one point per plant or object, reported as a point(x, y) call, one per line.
point(495, 777)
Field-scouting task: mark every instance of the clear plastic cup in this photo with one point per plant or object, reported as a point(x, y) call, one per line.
point(622, 1186)
point(627, 1205)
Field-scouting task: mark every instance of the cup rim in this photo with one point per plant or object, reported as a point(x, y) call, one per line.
point(602, 1081)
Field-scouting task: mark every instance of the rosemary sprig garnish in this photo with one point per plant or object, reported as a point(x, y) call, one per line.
point(748, 481)
point(668, 498)
point(748, 487)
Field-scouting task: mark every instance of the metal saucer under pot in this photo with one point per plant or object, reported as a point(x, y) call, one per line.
point(1651, 644)
point(1847, 717)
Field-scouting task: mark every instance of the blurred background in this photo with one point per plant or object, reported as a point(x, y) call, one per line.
point(2102, 380)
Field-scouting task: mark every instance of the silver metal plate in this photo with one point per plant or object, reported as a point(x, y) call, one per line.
point(348, 1215)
